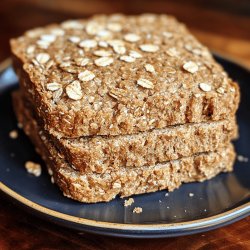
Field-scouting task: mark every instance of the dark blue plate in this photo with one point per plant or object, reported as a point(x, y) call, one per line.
point(217, 202)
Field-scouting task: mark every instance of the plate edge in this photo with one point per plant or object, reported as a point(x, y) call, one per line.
point(227, 216)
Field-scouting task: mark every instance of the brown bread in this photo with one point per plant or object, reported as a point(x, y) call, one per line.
point(91, 187)
point(100, 153)
point(85, 78)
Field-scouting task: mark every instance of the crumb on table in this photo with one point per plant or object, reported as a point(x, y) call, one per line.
point(129, 202)
point(191, 194)
point(33, 168)
point(13, 134)
point(137, 210)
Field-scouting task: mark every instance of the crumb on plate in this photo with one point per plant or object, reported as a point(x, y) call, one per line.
point(33, 168)
point(137, 210)
point(129, 202)
point(242, 158)
point(19, 125)
point(13, 134)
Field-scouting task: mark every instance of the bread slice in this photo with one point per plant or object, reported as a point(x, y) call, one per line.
point(124, 181)
point(112, 75)
point(100, 153)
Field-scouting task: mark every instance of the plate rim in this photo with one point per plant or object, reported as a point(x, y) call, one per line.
point(141, 230)
point(211, 221)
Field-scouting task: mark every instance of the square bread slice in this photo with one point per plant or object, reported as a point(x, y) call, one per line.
point(117, 74)
point(101, 153)
point(92, 187)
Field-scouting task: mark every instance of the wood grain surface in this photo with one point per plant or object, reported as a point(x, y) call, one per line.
point(224, 26)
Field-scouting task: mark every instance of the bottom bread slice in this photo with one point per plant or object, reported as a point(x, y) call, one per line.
point(126, 181)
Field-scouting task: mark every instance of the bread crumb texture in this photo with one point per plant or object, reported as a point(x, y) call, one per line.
point(100, 153)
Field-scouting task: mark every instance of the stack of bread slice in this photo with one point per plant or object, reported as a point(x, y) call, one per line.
point(123, 105)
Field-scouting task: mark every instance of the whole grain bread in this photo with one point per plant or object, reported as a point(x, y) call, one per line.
point(100, 153)
point(92, 187)
point(112, 75)
point(126, 182)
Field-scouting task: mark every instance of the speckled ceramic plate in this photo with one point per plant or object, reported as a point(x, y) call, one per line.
point(217, 202)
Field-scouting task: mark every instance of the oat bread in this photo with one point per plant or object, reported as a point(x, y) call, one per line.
point(126, 182)
point(112, 75)
point(100, 153)
point(91, 187)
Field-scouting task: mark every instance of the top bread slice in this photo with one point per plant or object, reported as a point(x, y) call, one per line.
point(111, 75)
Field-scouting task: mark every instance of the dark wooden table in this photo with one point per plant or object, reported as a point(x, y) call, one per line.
point(224, 26)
